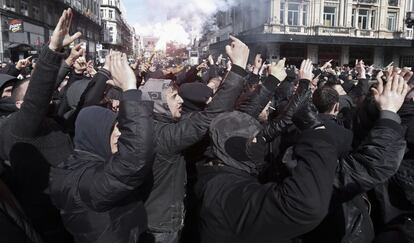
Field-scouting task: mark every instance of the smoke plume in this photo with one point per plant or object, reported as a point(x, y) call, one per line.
point(178, 20)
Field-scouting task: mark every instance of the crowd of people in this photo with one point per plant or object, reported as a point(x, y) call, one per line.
point(219, 152)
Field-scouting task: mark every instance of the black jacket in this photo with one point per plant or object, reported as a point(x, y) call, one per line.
point(370, 165)
point(99, 193)
point(15, 227)
point(165, 206)
point(236, 207)
point(393, 213)
point(32, 142)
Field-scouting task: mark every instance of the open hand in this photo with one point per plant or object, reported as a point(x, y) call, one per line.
point(360, 68)
point(278, 70)
point(390, 97)
point(122, 74)
point(60, 37)
point(306, 69)
point(238, 52)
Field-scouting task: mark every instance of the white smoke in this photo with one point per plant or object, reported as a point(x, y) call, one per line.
point(178, 20)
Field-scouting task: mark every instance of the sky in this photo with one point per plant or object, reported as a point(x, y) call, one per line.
point(185, 17)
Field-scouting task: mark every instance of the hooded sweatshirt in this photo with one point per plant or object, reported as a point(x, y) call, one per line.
point(232, 135)
point(92, 136)
point(154, 90)
point(195, 96)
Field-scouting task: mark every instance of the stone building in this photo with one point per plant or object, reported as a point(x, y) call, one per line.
point(26, 25)
point(117, 34)
point(343, 30)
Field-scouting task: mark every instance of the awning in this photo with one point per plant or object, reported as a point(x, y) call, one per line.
point(20, 46)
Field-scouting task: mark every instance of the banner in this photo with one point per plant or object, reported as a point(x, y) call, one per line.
point(16, 25)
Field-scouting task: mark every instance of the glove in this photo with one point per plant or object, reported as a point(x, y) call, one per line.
point(282, 122)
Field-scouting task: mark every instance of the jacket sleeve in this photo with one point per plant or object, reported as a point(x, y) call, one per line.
point(92, 95)
point(38, 96)
point(11, 70)
point(279, 124)
point(174, 138)
point(103, 186)
point(259, 102)
point(404, 179)
point(63, 71)
point(374, 161)
point(295, 206)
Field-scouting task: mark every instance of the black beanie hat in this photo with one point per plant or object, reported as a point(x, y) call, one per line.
point(195, 95)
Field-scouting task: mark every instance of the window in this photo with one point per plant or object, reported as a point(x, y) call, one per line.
point(363, 19)
point(24, 7)
point(305, 14)
point(111, 34)
point(102, 13)
point(353, 18)
point(36, 12)
point(282, 13)
point(392, 21)
point(393, 3)
point(111, 13)
point(329, 16)
point(373, 17)
point(293, 14)
point(10, 4)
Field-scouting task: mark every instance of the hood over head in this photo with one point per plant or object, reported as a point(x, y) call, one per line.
point(93, 129)
point(154, 90)
point(233, 136)
point(195, 96)
point(6, 79)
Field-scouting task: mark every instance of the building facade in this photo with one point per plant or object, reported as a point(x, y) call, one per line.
point(117, 34)
point(343, 30)
point(26, 25)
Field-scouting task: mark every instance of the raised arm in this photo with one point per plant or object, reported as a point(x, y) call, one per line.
point(191, 130)
point(102, 187)
point(39, 93)
point(380, 155)
point(278, 125)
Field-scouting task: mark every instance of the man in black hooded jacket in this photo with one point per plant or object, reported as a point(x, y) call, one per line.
point(236, 207)
point(32, 143)
point(98, 187)
point(165, 206)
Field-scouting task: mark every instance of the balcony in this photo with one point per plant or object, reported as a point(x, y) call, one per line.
point(366, 2)
point(336, 31)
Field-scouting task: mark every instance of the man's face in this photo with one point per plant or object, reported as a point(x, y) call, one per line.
point(114, 139)
point(174, 102)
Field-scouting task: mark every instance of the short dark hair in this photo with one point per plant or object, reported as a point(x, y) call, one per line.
point(325, 99)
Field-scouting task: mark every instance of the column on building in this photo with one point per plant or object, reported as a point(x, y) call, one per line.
point(313, 53)
point(383, 9)
point(342, 14)
point(273, 50)
point(396, 59)
point(379, 56)
point(344, 55)
point(1, 39)
point(318, 12)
